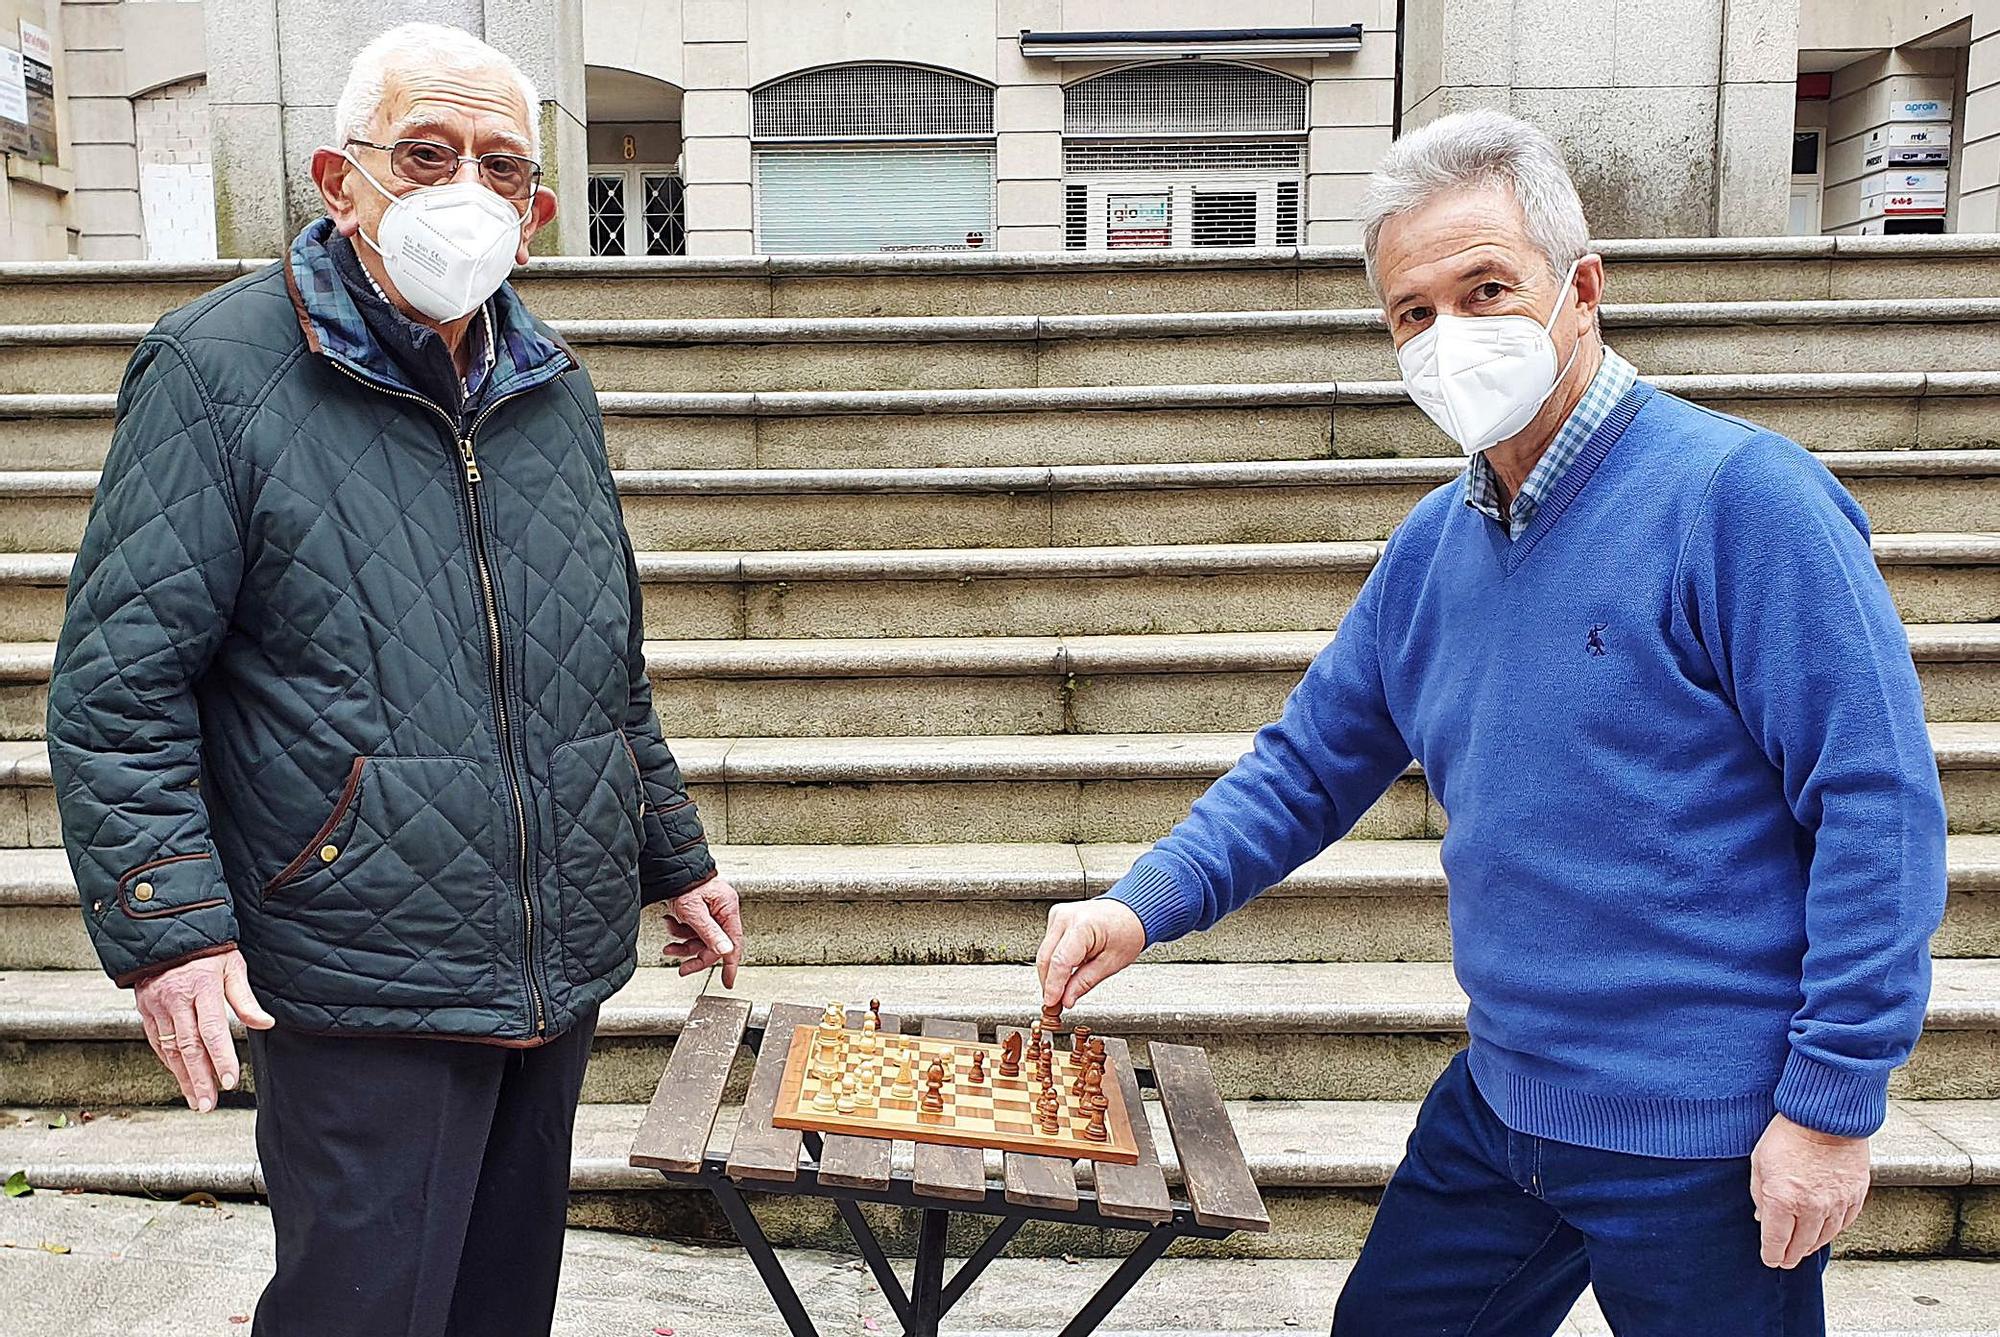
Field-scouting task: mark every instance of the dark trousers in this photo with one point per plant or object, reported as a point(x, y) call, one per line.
point(1484, 1232)
point(418, 1188)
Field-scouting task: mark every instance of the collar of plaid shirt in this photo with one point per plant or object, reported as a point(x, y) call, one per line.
point(1482, 486)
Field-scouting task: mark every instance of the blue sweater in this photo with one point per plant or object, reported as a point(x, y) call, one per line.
point(1696, 840)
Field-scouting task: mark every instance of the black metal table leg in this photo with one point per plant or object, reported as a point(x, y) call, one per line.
point(744, 1223)
point(886, 1279)
point(927, 1284)
point(989, 1249)
point(1121, 1281)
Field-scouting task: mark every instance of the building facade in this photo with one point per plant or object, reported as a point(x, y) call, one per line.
point(181, 129)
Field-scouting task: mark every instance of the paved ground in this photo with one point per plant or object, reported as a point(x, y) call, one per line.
point(98, 1266)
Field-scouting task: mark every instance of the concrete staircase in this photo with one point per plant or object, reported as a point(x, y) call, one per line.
point(968, 576)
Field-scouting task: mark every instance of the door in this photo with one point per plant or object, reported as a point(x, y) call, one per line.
point(637, 211)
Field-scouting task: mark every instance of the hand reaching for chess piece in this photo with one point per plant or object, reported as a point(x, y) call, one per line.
point(1087, 943)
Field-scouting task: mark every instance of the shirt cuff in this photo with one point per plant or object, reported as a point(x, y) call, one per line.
point(1153, 890)
point(1832, 1100)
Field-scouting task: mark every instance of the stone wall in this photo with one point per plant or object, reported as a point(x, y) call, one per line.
point(1675, 115)
point(176, 190)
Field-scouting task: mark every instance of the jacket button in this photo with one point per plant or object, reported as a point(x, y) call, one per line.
point(328, 853)
point(143, 892)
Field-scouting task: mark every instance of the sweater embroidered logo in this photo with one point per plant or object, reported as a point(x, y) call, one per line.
point(1595, 642)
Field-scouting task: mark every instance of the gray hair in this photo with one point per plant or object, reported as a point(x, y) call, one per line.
point(1474, 149)
point(432, 44)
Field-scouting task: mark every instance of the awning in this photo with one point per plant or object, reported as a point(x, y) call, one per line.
point(1184, 43)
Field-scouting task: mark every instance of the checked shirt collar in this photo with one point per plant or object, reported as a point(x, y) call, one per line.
point(1482, 486)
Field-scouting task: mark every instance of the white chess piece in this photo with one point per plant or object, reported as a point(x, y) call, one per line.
point(845, 1101)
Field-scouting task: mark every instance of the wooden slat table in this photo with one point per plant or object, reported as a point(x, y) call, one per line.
point(850, 1171)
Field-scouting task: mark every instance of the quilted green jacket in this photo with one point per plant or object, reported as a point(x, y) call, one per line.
point(357, 690)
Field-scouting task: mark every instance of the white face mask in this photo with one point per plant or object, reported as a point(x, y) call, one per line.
point(1481, 379)
point(447, 248)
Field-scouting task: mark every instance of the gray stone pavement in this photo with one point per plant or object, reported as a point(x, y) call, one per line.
point(85, 1265)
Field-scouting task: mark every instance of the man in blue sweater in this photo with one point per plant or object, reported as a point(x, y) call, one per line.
point(1696, 844)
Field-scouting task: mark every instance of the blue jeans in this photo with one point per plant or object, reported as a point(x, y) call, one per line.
point(1485, 1232)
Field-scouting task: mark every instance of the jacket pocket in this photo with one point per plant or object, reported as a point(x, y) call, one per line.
point(596, 799)
point(392, 903)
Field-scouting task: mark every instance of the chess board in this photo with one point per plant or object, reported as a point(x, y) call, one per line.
point(998, 1113)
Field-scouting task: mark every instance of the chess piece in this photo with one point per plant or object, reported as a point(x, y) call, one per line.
point(1035, 1037)
point(1010, 1055)
point(823, 1098)
point(1097, 1051)
point(1095, 1130)
point(1051, 1113)
point(844, 1102)
point(1079, 1046)
point(875, 1012)
point(979, 1069)
point(933, 1101)
point(902, 1087)
point(1052, 1017)
point(870, 1085)
point(869, 1041)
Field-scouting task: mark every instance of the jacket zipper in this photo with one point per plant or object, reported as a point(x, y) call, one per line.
point(495, 676)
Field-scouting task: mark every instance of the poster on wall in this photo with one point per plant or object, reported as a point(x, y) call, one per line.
point(38, 71)
point(13, 101)
point(1138, 220)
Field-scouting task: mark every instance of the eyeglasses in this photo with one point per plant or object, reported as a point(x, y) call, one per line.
point(425, 162)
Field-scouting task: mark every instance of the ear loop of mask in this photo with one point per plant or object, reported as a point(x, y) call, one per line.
point(1549, 327)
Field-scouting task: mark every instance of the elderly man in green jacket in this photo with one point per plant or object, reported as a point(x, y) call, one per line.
point(350, 723)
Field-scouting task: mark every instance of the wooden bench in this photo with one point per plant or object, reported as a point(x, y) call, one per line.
point(674, 1139)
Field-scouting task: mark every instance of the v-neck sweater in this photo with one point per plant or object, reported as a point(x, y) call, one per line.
point(1695, 841)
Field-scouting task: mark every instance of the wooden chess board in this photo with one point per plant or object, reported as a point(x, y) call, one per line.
point(998, 1113)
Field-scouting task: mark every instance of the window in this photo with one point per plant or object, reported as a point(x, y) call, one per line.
point(657, 226)
point(1218, 147)
point(859, 158)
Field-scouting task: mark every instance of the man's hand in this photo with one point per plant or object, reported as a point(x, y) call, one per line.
point(1087, 943)
point(1808, 1187)
point(185, 1013)
point(708, 928)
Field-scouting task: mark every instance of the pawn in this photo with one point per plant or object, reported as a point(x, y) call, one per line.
point(979, 1069)
point(1052, 1017)
point(845, 1102)
point(870, 1085)
point(933, 1101)
point(1035, 1037)
point(868, 1037)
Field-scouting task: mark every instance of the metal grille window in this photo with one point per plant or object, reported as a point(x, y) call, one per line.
point(1090, 158)
point(607, 215)
point(1076, 217)
point(1288, 213)
point(1225, 218)
point(665, 215)
point(1185, 98)
point(872, 102)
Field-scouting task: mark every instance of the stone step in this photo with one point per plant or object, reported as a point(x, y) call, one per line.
point(134, 1265)
point(1274, 1031)
point(892, 687)
point(968, 352)
point(1070, 788)
point(1320, 1164)
point(1285, 501)
point(1051, 283)
point(1160, 424)
point(1076, 591)
point(1362, 900)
